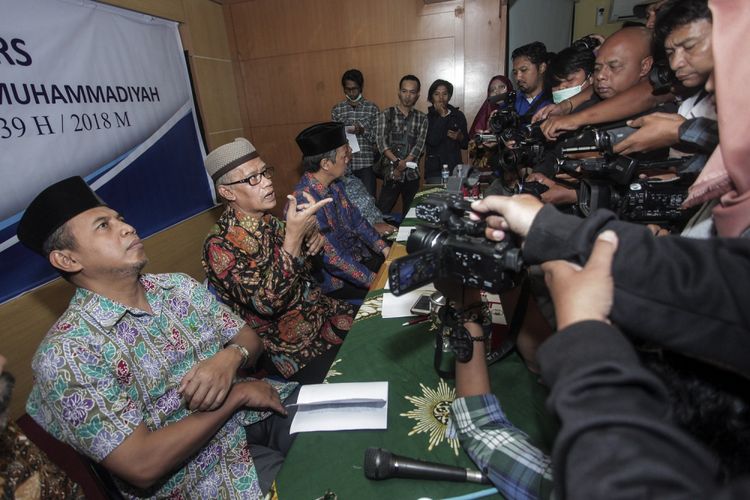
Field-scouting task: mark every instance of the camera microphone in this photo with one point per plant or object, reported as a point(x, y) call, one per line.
point(382, 464)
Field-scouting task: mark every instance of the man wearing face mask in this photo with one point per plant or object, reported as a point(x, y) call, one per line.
point(570, 72)
point(359, 116)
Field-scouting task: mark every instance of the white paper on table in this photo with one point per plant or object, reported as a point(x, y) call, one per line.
point(411, 214)
point(342, 418)
point(353, 142)
point(400, 307)
point(496, 308)
point(404, 232)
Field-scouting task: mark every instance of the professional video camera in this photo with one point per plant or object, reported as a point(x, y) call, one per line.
point(501, 120)
point(453, 245)
point(506, 117)
point(593, 139)
point(653, 201)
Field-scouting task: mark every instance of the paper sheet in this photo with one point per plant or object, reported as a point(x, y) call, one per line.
point(400, 307)
point(404, 232)
point(411, 214)
point(341, 418)
point(353, 142)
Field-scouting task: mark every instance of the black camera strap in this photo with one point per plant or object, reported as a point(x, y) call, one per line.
point(516, 322)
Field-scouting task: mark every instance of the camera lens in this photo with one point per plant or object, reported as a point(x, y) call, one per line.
point(424, 238)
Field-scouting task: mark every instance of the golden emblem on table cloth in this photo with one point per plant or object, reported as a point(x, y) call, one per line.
point(432, 413)
point(369, 308)
point(332, 372)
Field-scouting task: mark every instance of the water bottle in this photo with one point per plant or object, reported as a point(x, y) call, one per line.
point(445, 174)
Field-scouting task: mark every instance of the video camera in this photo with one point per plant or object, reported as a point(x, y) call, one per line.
point(648, 201)
point(662, 77)
point(452, 245)
point(506, 117)
point(593, 139)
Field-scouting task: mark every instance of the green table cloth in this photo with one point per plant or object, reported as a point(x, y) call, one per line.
point(418, 407)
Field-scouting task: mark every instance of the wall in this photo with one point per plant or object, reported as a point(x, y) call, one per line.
point(26, 319)
point(585, 19)
point(290, 55)
point(528, 24)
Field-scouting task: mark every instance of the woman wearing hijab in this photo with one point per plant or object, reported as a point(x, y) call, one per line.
point(498, 85)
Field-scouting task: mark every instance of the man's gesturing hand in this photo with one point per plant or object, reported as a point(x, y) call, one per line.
point(586, 293)
point(300, 220)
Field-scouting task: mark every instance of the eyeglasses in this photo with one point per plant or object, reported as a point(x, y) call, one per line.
point(254, 179)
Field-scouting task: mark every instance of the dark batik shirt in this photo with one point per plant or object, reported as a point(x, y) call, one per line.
point(273, 291)
point(350, 239)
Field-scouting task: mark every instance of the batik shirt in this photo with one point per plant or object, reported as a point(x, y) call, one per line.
point(403, 135)
point(274, 292)
point(350, 239)
point(365, 113)
point(104, 368)
point(517, 468)
point(361, 198)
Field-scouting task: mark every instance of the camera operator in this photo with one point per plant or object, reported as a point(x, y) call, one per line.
point(529, 66)
point(683, 32)
point(620, 81)
point(615, 414)
point(570, 73)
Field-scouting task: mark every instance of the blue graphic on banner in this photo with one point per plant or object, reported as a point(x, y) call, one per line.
point(166, 184)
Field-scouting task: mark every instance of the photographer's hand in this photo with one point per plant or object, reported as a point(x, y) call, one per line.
point(657, 130)
point(502, 213)
point(549, 110)
point(587, 293)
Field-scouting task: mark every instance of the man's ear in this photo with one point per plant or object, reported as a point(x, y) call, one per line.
point(64, 261)
point(226, 193)
point(646, 64)
point(542, 68)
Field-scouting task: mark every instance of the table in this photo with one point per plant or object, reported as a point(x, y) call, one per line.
point(418, 404)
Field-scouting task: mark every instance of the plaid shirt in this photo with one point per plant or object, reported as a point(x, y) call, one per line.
point(518, 469)
point(403, 135)
point(365, 113)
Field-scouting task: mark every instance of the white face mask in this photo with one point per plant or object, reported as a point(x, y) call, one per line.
point(355, 99)
point(559, 96)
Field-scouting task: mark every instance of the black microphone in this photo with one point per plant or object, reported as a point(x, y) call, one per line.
point(382, 464)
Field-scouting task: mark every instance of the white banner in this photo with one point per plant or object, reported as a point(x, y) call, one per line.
point(81, 83)
point(93, 90)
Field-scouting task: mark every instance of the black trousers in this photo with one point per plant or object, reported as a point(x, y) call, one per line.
point(269, 441)
point(367, 176)
point(390, 192)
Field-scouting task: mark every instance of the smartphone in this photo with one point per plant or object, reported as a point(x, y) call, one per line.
point(412, 271)
point(422, 305)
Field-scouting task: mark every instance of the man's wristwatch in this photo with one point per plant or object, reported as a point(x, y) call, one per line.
point(243, 351)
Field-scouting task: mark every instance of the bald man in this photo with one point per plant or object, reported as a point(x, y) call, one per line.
point(623, 61)
point(620, 78)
